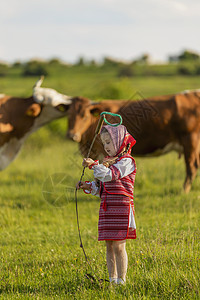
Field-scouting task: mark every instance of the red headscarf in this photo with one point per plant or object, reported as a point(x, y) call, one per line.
point(120, 137)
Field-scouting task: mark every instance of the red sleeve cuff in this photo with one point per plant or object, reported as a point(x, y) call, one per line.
point(90, 188)
point(95, 163)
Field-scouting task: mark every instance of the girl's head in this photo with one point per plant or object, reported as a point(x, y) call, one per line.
point(115, 139)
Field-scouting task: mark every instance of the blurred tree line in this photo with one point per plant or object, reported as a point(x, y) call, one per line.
point(186, 63)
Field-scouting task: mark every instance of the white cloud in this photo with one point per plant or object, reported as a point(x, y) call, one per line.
point(180, 7)
point(177, 8)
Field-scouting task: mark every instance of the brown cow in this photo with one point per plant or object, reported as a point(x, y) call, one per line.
point(19, 117)
point(159, 125)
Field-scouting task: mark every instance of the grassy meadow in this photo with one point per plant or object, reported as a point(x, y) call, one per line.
point(40, 253)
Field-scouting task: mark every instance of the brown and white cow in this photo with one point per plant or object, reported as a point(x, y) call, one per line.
point(159, 125)
point(19, 117)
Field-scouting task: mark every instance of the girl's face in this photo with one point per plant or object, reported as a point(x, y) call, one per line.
point(108, 144)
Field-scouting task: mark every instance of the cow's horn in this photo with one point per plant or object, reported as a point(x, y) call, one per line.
point(37, 96)
point(39, 82)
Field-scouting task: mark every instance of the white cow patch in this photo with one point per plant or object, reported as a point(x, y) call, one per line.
point(9, 151)
point(50, 97)
point(2, 96)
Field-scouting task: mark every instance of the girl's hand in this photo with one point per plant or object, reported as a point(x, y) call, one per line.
point(87, 162)
point(83, 185)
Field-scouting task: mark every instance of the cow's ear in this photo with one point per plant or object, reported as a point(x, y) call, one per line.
point(95, 111)
point(33, 110)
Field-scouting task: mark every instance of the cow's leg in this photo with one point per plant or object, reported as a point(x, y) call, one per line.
point(191, 145)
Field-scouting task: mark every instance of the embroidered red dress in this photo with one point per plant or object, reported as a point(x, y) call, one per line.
point(116, 214)
point(116, 202)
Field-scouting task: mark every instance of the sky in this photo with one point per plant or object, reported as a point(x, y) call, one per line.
point(94, 29)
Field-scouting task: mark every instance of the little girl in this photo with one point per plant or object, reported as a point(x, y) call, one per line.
point(114, 182)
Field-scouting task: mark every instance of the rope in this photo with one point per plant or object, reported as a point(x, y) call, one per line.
point(97, 131)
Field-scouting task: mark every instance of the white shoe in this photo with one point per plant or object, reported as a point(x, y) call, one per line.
point(121, 281)
point(113, 280)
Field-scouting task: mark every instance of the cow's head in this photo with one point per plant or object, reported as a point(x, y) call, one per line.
point(21, 116)
point(82, 114)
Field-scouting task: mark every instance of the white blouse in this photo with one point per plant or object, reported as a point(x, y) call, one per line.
point(125, 166)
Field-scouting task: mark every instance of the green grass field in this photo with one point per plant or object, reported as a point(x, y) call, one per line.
point(40, 253)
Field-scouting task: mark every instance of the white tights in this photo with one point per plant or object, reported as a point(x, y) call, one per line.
point(117, 260)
